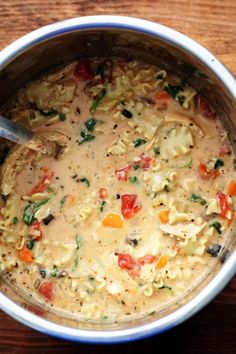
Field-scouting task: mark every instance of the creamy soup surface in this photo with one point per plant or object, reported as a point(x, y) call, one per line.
point(132, 207)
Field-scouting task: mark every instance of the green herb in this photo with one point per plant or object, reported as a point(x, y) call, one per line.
point(139, 142)
point(136, 167)
point(15, 220)
point(90, 124)
point(197, 198)
point(133, 180)
point(30, 244)
point(78, 241)
point(85, 181)
point(30, 210)
point(53, 273)
point(102, 206)
point(105, 317)
point(98, 99)
point(181, 99)
point(187, 164)
point(217, 226)
point(168, 288)
point(75, 262)
point(219, 163)
point(173, 90)
point(86, 137)
point(52, 112)
point(156, 150)
point(62, 201)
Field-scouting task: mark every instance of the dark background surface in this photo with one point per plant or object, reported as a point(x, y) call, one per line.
point(213, 24)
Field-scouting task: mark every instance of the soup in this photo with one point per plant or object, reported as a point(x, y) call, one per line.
point(130, 209)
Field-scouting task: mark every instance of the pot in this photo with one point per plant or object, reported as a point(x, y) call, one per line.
point(58, 44)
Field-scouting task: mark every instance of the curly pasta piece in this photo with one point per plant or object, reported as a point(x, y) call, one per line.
point(178, 141)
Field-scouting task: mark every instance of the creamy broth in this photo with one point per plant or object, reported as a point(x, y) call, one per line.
point(132, 212)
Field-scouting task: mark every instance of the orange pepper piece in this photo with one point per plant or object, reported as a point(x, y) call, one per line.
point(164, 216)
point(231, 188)
point(113, 220)
point(162, 261)
point(25, 255)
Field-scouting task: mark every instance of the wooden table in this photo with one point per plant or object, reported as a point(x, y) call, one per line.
point(213, 24)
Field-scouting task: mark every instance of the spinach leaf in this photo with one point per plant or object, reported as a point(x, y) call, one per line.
point(197, 198)
point(217, 226)
point(90, 124)
point(98, 99)
point(30, 210)
point(139, 142)
point(219, 163)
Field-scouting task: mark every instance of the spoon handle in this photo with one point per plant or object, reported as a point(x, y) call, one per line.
point(14, 131)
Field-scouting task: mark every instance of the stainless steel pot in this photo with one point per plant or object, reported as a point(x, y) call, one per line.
point(95, 36)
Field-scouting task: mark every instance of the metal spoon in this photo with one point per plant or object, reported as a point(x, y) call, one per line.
point(17, 133)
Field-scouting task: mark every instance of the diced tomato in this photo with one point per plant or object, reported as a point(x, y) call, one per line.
point(122, 173)
point(35, 230)
point(148, 259)
point(43, 183)
point(145, 161)
point(225, 209)
point(128, 205)
point(205, 108)
point(162, 100)
point(102, 193)
point(35, 310)
point(127, 262)
point(83, 70)
point(207, 174)
point(46, 290)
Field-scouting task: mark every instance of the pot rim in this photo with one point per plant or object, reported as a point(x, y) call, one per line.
point(228, 269)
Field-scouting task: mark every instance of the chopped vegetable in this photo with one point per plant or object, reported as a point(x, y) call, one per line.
point(164, 216)
point(133, 180)
point(205, 108)
point(78, 240)
point(231, 188)
point(147, 259)
point(122, 173)
point(136, 167)
point(75, 262)
point(31, 209)
point(113, 220)
point(43, 184)
point(83, 70)
point(128, 205)
point(98, 99)
point(48, 219)
point(15, 220)
point(139, 142)
point(214, 249)
point(197, 198)
point(25, 254)
point(219, 163)
point(174, 91)
point(168, 288)
point(127, 113)
point(30, 244)
point(86, 137)
point(102, 193)
point(225, 210)
point(46, 290)
point(162, 261)
point(90, 124)
point(85, 181)
point(127, 262)
point(217, 226)
point(102, 206)
point(35, 230)
point(62, 201)
point(207, 174)
point(162, 100)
